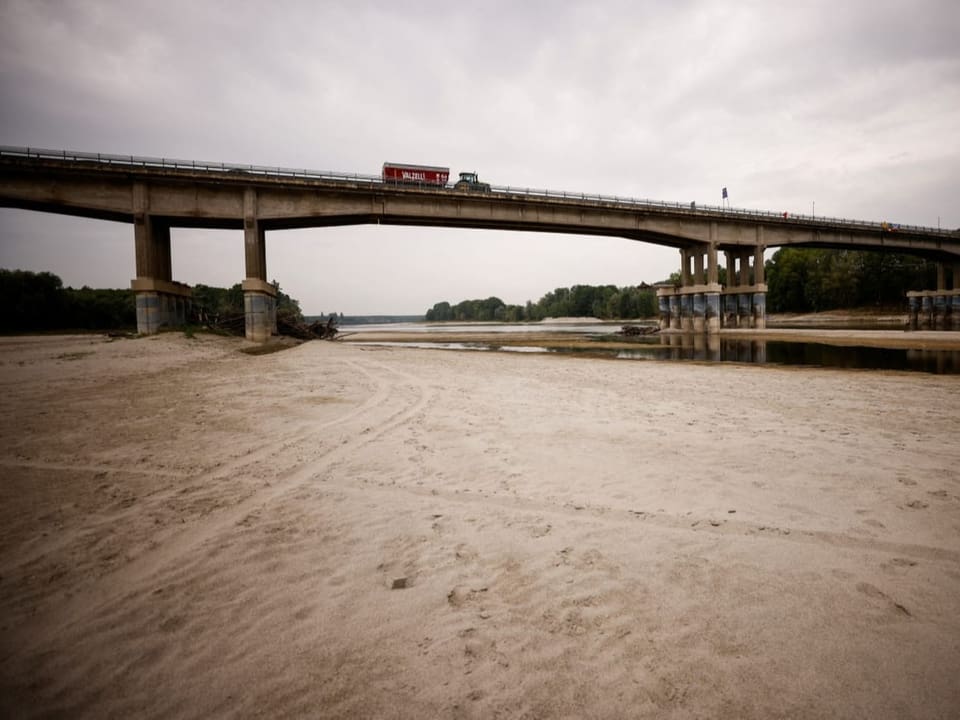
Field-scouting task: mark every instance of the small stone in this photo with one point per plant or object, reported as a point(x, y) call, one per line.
point(399, 584)
point(715, 523)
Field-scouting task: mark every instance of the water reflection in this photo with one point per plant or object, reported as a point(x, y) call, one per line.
point(712, 348)
point(715, 349)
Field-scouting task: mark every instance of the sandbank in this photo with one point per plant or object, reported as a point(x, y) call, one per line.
point(343, 531)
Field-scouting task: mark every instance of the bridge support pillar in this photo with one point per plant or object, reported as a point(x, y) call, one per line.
point(675, 320)
point(940, 308)
point(663, 307)
point(161, 302)
point(260, 309)
point(259, 296)
point(712, 319)
point(745, 295)
point(699, 313)
point(729, 310)
point(686, 312)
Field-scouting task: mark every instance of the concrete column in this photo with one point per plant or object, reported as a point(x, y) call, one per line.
point(663, 306)
point(712, 295)
point(255, 243)
point(758, 269)
point(760, 310)
point(712, 319)
point(941, 276)
point(744, 311)
point(744, 267)
point(956, 276)
point(699, 313)
point(160, 301)
point(676, 322)
point(730, 310)
point(713, 269)
point(731, 268)
point(926, 311)
point(259, 296)
point(260, 308)
point(685, 280)
point(686, 312)
point(698, 268)
point(152, 238)
point(913, 300)
point(940, 308)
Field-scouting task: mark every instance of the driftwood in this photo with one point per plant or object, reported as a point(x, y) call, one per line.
point(633, 330)
point(236, 325)
point(318, 330)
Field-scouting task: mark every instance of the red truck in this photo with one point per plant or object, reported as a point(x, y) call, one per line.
point(422, 174)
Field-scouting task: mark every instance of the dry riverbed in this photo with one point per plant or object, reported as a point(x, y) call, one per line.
point(344, 531)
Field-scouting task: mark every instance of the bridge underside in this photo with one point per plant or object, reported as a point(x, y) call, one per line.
point(155, 200)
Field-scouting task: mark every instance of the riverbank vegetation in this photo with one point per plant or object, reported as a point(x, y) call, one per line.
point(804, 280)
point(600, 301)
point(799, 280)
point(35, 302)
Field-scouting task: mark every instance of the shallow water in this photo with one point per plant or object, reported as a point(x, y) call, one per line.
point(682, 347)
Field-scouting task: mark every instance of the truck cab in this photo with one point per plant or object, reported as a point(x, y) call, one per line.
point(469, 181)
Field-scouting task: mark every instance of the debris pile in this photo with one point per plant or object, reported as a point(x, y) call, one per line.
point(638, 330)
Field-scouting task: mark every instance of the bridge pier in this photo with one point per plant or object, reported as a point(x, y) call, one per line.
point(259, 296)
point(745, 296)
point(937, 309)
point(693, 306)
point(161, 302)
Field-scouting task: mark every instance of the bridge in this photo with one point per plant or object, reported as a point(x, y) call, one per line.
point(156, 194)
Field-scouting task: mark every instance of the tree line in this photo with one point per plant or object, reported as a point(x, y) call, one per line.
point(798, 280)
point(601, 301)
point(38, 301)
point(813, 279)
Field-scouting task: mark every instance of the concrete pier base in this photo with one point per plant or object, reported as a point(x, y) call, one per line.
point(729, 310)
point(744, 310)
point(663, 312)
point(712, 318)
point(160, 304)
point(934, 309)
point(686, 313)
point(260, 308)
point(745, 306)
point(674, 312)
point(694, 309)
point(699, 313)
point(759, 310)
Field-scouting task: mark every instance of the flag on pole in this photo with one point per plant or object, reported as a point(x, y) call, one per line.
point(724, 193)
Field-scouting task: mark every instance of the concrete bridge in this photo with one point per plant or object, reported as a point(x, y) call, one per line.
point(155, 195)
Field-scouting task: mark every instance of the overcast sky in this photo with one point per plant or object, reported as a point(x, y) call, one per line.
point(849, 107)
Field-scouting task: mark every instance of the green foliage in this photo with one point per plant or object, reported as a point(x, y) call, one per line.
point(603, 301)
point(38, 301)
point(813, 279)
point(216, 302)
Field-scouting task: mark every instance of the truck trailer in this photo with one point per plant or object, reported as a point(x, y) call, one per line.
point(419, 174)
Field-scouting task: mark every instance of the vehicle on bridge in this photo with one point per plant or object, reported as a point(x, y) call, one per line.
point(469, 181)
point(420, 174)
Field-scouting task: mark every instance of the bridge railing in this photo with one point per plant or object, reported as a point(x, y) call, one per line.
point(333, 176)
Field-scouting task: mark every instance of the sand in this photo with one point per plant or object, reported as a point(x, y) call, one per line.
point(352, 532)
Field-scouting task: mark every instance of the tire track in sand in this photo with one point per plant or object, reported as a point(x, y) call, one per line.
point(398, 397)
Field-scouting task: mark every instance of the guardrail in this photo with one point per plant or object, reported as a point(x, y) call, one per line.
point(332, 176)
